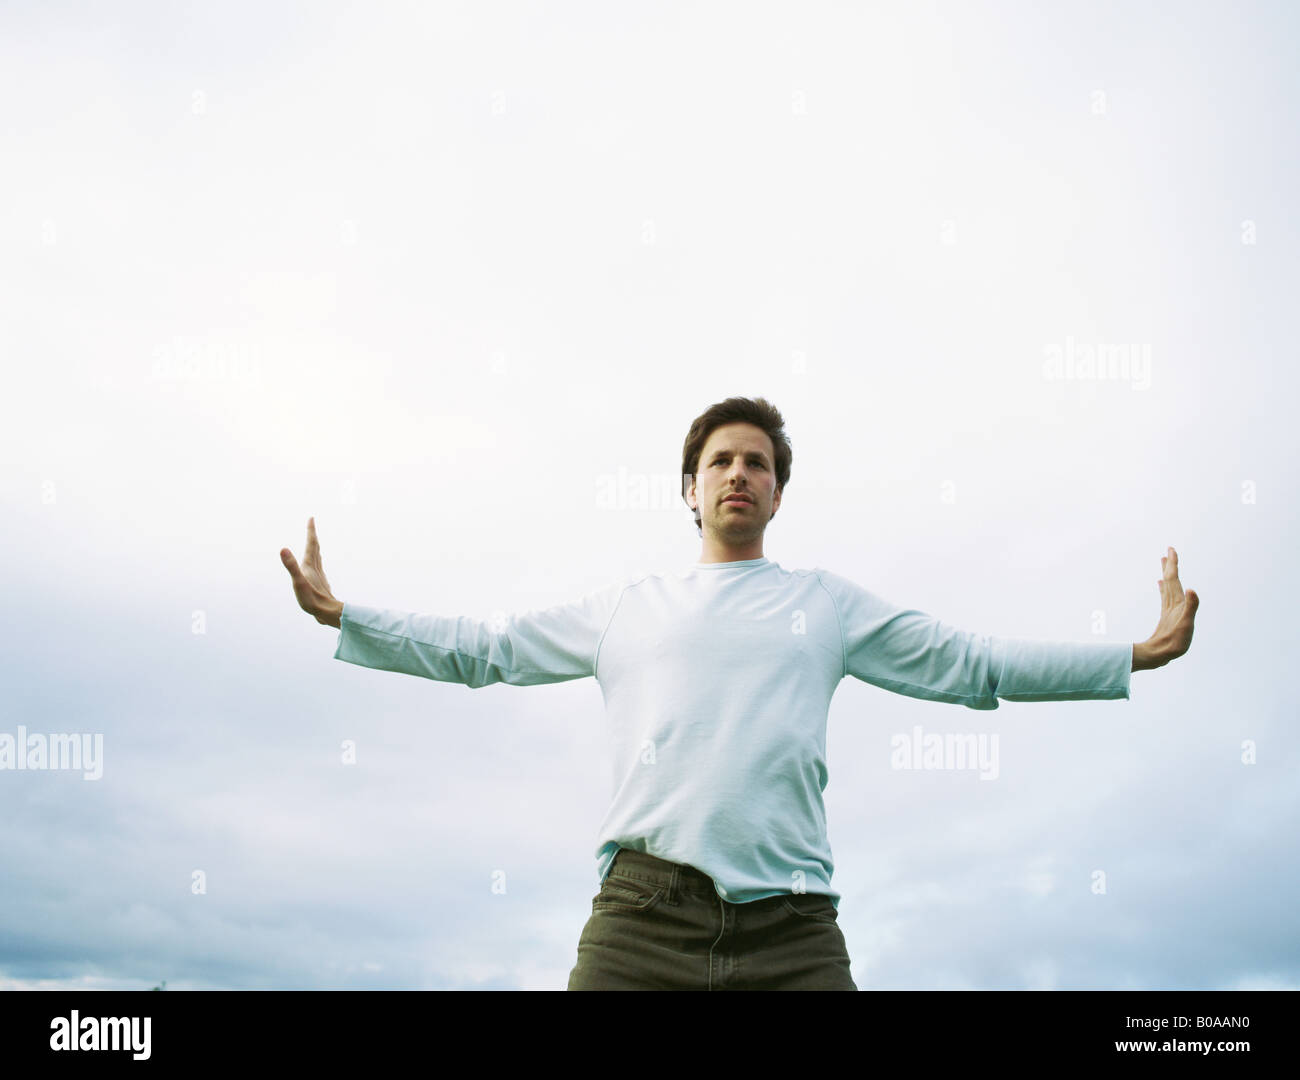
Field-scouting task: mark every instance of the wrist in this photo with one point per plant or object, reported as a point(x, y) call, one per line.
point(333, 615)
point(1145, 656)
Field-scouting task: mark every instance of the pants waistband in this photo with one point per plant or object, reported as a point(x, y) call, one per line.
point(671, 875)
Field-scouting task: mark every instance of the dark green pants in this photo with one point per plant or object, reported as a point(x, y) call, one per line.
point(658, 925)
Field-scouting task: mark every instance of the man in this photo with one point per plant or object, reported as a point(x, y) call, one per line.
point(714, 865)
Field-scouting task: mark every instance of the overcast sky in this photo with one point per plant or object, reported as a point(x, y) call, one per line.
point(455, 279)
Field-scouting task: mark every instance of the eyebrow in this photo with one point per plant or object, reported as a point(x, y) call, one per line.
point(753, 453)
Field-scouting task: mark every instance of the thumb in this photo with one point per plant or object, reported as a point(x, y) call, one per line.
point(286, 557)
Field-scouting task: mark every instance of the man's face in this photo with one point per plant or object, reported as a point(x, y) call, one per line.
point(737, 459)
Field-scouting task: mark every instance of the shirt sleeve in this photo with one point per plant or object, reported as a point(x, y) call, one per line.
point(912, 653)
point(537, 646)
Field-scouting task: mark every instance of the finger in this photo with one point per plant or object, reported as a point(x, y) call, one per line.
point(290, 563)
point(301, 586)
point(1175, 588)
point(312, 554)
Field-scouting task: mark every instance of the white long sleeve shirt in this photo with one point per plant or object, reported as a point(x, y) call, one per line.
point(717, 683)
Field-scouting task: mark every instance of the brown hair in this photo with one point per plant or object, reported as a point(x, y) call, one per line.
point(757, 411)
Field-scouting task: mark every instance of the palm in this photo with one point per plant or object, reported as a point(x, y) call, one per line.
point(315, 580)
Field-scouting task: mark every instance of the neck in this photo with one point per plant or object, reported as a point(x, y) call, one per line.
point(713, 552)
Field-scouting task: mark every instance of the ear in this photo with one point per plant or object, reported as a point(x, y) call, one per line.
point(776, 500)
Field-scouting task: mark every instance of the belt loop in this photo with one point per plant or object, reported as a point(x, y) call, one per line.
point(674, 883)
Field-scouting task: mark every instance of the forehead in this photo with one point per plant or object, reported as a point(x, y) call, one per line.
point(738, 437)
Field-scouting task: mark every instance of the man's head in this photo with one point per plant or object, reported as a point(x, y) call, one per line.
point(736, 446)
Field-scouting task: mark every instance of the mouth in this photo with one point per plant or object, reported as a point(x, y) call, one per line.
point(738, 500)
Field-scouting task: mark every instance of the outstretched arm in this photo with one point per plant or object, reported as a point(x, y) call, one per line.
point(1173, 633)
point(909, 652)
point(536, 646)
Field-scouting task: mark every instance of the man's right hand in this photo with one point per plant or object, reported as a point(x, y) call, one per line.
point(309, 583)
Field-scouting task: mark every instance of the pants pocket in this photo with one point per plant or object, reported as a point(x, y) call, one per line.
point(810, 906)
point(619, 893)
